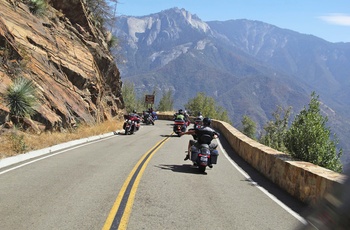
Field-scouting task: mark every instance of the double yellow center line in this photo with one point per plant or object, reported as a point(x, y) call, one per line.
point(119, 215)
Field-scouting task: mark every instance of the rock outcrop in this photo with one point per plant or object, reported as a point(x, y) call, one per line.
point(67, 58)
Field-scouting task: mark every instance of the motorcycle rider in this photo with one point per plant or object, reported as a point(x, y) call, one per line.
point(138, 118)
point(153, 113)
point(187, 118)
point(200, 116)
point(197, 133)
point(134, 114)
point(198, 120)
point(179, 115)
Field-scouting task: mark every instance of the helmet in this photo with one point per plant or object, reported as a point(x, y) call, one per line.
point(206, 121)
point(199, 113)
point(134, 111)
point(180, 111)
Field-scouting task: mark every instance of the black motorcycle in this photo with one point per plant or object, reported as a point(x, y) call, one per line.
point(203, 155)
point(198, 122)
point(147, 119)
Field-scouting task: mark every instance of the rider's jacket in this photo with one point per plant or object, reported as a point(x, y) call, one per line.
point(180, 117)
point(205, 135)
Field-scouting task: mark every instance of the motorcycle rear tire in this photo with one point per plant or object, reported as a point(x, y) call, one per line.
point(202, 168)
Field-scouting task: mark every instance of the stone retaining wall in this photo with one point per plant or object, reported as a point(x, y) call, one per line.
point(303, 180)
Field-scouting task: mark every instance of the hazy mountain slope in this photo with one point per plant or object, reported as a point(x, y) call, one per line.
point(249, 67)
point(321, 64)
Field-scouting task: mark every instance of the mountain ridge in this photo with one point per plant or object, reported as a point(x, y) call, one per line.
point(248, 67)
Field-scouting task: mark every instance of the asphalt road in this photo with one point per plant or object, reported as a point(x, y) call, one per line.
point(137, 182)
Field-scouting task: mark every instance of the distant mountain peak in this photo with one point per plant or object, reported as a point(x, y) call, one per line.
point(191, 19)
point(186, 14)
point(254, 65)
point(168, 25)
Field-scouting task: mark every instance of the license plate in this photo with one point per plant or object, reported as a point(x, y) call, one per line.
point(204, 158)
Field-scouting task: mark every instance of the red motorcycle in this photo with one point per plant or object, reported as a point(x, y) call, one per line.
point(179, 126)
point(131, 124)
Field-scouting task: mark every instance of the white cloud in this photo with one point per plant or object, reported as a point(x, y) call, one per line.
point(337, 19)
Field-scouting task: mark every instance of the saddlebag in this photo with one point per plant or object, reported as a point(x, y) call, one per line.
point(194, 153)
point(214, 156)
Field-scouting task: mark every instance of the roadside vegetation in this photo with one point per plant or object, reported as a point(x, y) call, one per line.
point(17, 141)
point(307, 138)
point(249, 127)
point(200, 103)
point(207, 106)
point(37, 7)
point(21, 99)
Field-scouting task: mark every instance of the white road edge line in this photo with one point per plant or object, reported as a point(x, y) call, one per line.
point(272, 197)
point(296, 215)
point(51, 155)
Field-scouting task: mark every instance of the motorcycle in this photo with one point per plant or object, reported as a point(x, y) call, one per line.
point(179, 126)
point(154, 115)
point(197, 123)
point(203, 155)
point(131, 124)
point(332, 211)
point(147, 118)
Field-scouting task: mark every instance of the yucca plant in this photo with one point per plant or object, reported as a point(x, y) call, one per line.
point(37, 7)
point(21, 98)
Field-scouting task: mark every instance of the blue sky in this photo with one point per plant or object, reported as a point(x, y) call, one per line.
point(327, 19)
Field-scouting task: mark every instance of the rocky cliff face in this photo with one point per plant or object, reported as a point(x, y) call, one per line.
point(67, 58)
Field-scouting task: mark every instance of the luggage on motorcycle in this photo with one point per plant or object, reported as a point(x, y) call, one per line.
point(194, 153)
point(214, 153)
point(179, 122)
point(214, 156)
point(179, 126)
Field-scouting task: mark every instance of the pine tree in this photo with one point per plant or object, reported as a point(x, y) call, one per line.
point(249, 127)
point(207, 106)
point(129, 96)
point(309, 139)
point(275, 130)
point(166, 103)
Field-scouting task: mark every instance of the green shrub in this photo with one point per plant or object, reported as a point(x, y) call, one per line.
point(18, 143)
point(309, 139)
point(37, 7)
point(21, 98)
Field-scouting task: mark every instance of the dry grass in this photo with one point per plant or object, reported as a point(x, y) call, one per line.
point(18, 142)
